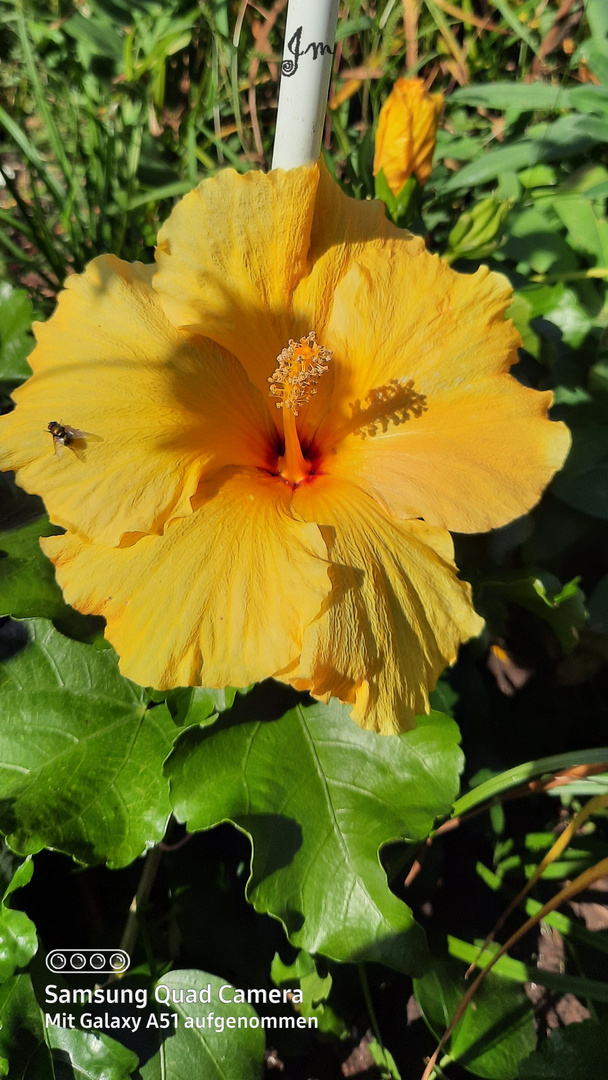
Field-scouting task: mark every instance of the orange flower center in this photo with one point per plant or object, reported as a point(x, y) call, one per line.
point(299, 368)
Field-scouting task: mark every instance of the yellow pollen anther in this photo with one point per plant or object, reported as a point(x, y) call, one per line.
point(299, 368)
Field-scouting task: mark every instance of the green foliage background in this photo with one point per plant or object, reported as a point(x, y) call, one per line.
point(286, 847)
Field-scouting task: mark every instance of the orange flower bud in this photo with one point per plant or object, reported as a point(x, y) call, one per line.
point(406, 133)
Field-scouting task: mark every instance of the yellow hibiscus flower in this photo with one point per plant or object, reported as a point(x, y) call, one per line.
point(226, 539)
point(407, 129)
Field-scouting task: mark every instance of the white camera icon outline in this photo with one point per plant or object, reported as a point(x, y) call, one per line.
point(88, 961)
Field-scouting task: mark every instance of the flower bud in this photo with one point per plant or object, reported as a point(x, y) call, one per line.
point(407, 128)
point(478, 230)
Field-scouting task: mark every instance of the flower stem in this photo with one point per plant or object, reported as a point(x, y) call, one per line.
point(308, 52)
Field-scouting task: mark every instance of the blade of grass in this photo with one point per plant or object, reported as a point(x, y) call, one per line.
point(27, 260)
point(555, 919)
point(462, 71)
point(168, 191)
point(57, 143)
point(233, 158)
point(517, 27)
point(583, 881)
point(562, 842)
point(530, 770)
point(133, 155)
point(519, 972)
point(32, 156)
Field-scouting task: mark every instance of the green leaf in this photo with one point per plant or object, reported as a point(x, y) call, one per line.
point(496, 1032)
point(443, 698)
point(383, 1060)
point(561, 606)
point(515, 970)
point(31, 1049)
point(595, 53)
point(80, 753)
point(518, 27)
point(216, 1052)
point(533, 239)
point(586, 232)
point(520, 311)
point(575, 1052)
point(538, 175)
point(318, 798)
point(583, 482)
point(303, 974)
point(18, 941)
point(518, 97)
point(21, 1031)
point(403, 206)
point(598, 607)
point(16, 340)
point(102, 38)
point(558, 304)
point(596, 14)
point(197, 705)
point(16, 506)
point(27, 578)
point(563, 139)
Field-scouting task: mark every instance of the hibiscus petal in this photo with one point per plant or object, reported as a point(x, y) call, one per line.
point(229, 257)
point(342, 230)
point(222, 598)
point(158, 411)
point(424, 413)
point(396, 615)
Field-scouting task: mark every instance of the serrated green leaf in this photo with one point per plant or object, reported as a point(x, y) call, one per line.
point(18, 941)
point(575, 1052)
point(16, 340)
point(215, 1052)
point(80, 753)
point(319, 797)
point(303, 974)
point(303, 967)
point(497, 1030)
point(31, 1049)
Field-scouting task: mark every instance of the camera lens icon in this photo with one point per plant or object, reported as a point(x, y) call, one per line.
point(56, 961)
point(88, 961)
